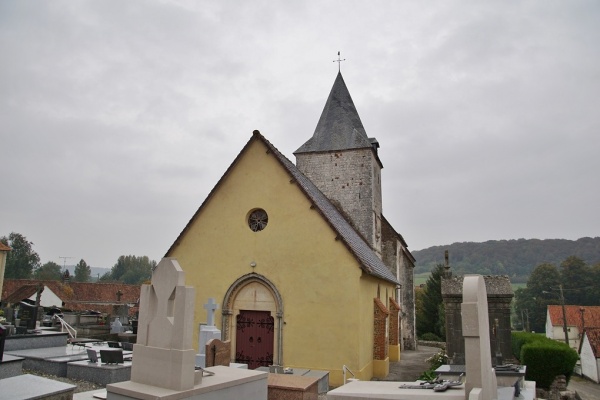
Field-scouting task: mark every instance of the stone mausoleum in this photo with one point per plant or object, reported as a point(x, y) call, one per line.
point(499, 296)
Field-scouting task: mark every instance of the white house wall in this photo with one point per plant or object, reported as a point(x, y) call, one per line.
point(589, 362)
point(556, 332)
point(549, 327)
point(48, 298)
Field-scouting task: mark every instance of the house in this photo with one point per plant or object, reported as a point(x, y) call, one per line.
point(74, 296)
point(590, 354)
point(308, 272)
point(578, 319)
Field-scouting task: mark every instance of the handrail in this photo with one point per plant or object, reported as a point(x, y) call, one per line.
point(63, 324)
point(344, 369)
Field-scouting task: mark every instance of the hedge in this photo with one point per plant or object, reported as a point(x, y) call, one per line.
point(545, 358)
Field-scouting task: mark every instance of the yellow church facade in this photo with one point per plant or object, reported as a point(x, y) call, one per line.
point(297, 268)
point(298, 284)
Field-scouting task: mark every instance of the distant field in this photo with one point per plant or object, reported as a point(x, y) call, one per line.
point(422, 278)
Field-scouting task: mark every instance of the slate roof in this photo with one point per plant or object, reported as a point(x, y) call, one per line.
point(368, 260)
point(339, 127)
point(398, 236)
point(591, 316)
point(593, 335)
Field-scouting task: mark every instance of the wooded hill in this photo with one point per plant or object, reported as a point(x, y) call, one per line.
point(515, 258)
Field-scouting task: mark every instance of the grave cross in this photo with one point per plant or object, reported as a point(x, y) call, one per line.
point(210, 308)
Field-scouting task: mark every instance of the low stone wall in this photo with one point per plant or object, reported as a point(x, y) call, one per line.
point(441, 345)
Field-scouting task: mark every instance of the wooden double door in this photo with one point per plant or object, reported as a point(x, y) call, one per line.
point(255, 331)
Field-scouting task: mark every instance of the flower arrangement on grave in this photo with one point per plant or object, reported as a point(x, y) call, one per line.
point(435, 361)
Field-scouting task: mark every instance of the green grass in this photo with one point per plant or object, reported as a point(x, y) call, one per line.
point(421, 278)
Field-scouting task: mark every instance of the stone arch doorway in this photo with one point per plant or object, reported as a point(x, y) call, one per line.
point(253, 300)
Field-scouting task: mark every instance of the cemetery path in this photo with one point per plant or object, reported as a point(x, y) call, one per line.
point(411, 365)
point(587, 390)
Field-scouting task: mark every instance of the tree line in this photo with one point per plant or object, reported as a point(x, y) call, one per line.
point(578, 281)
point(515, 258)
point(22, 262)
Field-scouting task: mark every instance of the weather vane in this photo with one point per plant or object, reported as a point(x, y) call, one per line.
point(339, 61)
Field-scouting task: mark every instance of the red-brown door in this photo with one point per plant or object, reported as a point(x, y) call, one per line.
point(254, 338)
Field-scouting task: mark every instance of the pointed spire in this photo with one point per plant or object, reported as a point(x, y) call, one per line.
point(339, 127)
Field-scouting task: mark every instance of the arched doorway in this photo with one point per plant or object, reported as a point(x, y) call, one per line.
point(252, 321)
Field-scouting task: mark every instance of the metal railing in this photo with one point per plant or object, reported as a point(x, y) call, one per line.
point(64, 325)
point(346, 369)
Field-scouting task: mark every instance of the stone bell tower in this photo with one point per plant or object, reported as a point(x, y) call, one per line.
point(343, 163)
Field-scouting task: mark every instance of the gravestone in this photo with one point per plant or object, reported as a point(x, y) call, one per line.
point(481, 379)
point(116, 326)
point(27, 315)
point(218, 353)
point(121, 311)
point(163, 355)
point(163, 358)
point(207, 332)
point(499, 297)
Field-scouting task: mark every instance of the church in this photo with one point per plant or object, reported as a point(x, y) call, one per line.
point(306, 269)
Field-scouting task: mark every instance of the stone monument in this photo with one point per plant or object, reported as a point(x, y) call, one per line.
point(499, 297)
point(165, 331)
point(481, 378)
point(218, 353)
point(207, 332)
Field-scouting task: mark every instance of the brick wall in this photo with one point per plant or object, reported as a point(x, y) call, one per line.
point(380, 342)
point(393, 337)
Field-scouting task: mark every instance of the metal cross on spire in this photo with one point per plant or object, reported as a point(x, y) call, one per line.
point(339, 61)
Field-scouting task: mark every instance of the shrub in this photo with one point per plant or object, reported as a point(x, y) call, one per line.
point(518, 339)
point(545, 358)
point(431, 337)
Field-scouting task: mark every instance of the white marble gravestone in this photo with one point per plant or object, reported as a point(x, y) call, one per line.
point(163, 355)
point(117, 326)
point(481, 378)
point(207, 332)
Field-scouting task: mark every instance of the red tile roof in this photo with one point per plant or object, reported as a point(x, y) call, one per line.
point(591, 316)
point(4, 247)
point(593, 335)
point(76, 296)
point(23, 292)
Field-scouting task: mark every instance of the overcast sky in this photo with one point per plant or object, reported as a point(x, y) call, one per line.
point(118, 117)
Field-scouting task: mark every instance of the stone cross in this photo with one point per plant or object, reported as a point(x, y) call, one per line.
point(210, 308)
point(207, 332)
point(481, 378)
